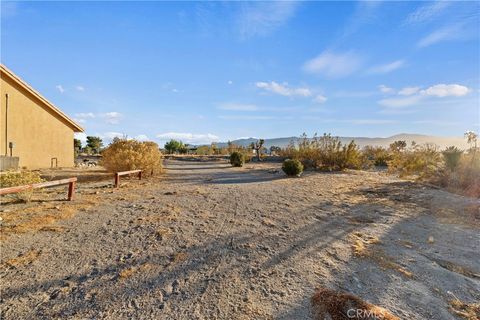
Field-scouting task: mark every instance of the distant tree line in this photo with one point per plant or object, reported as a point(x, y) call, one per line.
point(94, 145)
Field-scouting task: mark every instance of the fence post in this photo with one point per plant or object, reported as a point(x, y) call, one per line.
point(140, 175)
point(71, 190)
point(117, 180)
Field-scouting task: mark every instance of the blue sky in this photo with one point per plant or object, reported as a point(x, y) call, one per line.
point(213, 71)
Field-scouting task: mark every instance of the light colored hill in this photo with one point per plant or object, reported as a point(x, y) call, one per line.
point(442, 142)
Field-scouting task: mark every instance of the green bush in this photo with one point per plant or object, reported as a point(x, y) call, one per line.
point(452, 156)
point(237, 159)
point(292, 167)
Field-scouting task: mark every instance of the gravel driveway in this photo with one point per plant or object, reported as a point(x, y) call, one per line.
point(208, 241)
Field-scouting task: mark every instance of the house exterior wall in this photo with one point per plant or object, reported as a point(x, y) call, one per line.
point(38, 133)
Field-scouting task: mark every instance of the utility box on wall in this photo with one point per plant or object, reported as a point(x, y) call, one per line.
point(8, 163)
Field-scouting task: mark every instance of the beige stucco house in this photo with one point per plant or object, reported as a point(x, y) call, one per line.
point(32, 128)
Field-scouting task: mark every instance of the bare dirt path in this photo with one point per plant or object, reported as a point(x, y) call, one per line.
point(207, 241)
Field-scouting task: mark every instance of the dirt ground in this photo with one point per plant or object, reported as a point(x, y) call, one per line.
point(208, 241)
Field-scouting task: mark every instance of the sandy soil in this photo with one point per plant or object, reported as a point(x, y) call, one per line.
point(207, 241)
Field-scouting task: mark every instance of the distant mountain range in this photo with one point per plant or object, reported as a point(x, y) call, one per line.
point(442, 142)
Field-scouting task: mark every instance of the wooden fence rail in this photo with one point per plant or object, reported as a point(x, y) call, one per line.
point(70, 181)
point(126, 173)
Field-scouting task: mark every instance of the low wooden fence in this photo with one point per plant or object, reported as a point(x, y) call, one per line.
point(126, 173)
point(70, 181)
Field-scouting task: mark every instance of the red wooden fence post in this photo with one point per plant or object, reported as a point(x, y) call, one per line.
point(71, 190)
point(117, 180)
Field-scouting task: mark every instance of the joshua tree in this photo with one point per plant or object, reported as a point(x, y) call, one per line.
point(257, 146)
point(472, 139)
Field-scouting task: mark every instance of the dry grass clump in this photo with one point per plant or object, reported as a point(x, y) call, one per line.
point(41, 217)
point(163, 233)
point(14, 179)
point(361, 247)
point(130, 271)
point(334, 305)
point(361, 242)
point(469, 311)
point(125, 155)
point(386, 262)
point(268, 222)
point(23, 259)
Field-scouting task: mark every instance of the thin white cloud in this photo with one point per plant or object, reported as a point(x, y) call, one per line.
point(446, 90)
point(283, 89)
point(413, 95)
point(370, 121)
point(262, 18)
point(355, 94)
point(111, 135)
point(60, 88)
point(190, 138)
point(79, 88)
point(112, 117)
point(230, 82)
point(334, 64)
point(320, 99)
point(238, 107)
point(448, 33)
point(426, 12)
point(365, 13)
point(82, 136)
point(386, 68)
point(437, 122)
point(408, 91)
point(400, 102)
point(246, 117)
point(384, 89)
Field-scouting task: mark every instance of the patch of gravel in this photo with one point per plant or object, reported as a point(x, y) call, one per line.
point(208, 241)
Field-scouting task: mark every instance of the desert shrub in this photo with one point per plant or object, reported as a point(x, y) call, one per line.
point(467, 175)
point(237, 159)
point(452, 156)
point(13, 179)
point(325, 153)
point(419, 160)
point(398, 146)
point(464, 178)
point(124, 155)
point(292, 167)
point(378, 156)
